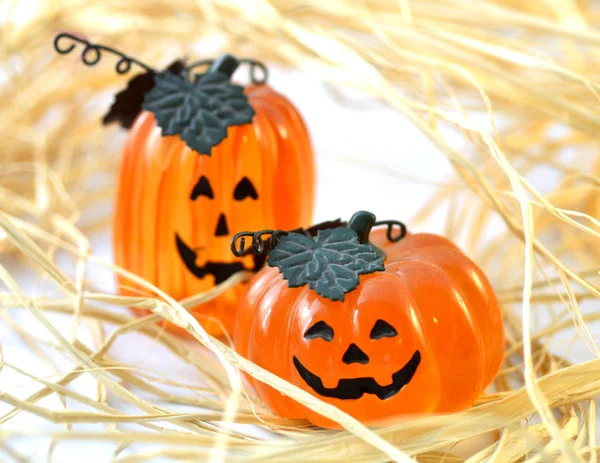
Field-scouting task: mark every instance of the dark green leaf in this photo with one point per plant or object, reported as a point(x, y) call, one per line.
point(199, 112)
point(330, 264)
point(128, 102)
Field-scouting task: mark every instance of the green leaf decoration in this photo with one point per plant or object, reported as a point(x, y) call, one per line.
point(200, 111)
point(128, 102)
point(330, 263)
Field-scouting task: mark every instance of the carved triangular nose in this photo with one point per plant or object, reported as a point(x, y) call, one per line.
point(354, 355)
point(222, 229)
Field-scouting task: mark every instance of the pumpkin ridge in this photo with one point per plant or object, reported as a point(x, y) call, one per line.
point(138, 166)
point(291, 315)
point(307, 172)
point(120, 231)
point(277, 359)
point(168, 180)
point(152, 211)
point(428, 250)
point(269, 116)
point(289, 160)
point(188, 230)
point(296, 121)
point(424, 340)
point(456, 287)
point(251, 379)
point(267, 143)
point(178, 150)
point(268, 161)
point(271, 282)
point(227, 167)
point(474, 323)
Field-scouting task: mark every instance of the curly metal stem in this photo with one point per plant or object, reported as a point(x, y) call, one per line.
point(258, 243)
point(238, 242)
point(254, 65)
point(123, 65)
point(390, 228)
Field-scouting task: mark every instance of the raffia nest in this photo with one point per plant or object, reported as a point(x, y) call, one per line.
point(529, 70)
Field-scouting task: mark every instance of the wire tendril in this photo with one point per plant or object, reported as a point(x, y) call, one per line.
point(92, 53)
point(390, 229)
point(258, 242)
point(258, 246)
point(253, 64)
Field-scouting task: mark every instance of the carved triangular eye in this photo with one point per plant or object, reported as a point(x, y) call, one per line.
point(202, 188)
point(320, 330)
point(245, 189)
point(383, 329)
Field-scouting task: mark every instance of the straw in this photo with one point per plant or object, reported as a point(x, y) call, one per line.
point(516, 82)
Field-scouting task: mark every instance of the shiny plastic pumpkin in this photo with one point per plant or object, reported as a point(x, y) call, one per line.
point(176, 211)
point(422, 333)
point(204, 158)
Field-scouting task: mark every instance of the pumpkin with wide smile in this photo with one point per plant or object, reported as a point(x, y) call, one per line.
point(203, 158)
point(176, 210)
point(377, 325)
point(355, 388)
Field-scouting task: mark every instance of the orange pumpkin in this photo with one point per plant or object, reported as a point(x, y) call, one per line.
point(418, 331)
point(204, 158)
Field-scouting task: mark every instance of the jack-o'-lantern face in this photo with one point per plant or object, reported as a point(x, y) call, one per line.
point(356, 387)
point(363, 353)
point(177, 210)
point(198, 260)
point(214, 198)
point(204, 158)
point(376, 327)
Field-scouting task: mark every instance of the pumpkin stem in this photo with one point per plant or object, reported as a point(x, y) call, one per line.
point(226, 64)
point(362, 222)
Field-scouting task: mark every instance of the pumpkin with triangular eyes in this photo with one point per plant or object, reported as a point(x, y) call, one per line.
point(203, 158)
point(176, 210)
point(379, 329)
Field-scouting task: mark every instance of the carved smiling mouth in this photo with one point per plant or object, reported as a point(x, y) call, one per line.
point(220, 270)
point(354, 388)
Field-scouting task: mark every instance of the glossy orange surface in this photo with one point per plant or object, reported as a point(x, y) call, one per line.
point(439, 303)
point(154, 202)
